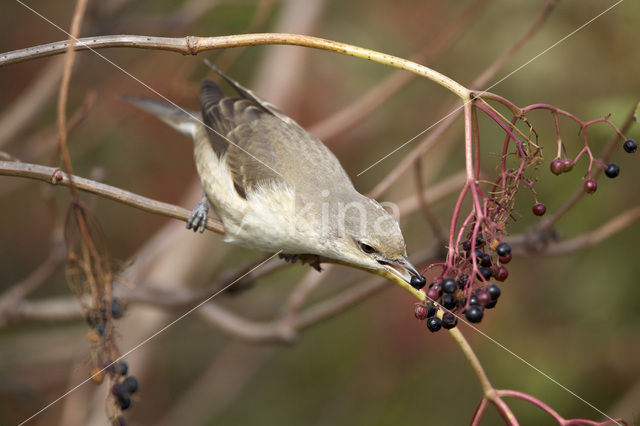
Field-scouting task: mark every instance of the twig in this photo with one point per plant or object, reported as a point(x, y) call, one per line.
point(360, 109)
point(56, 177)
point(435, 134)
point(192, 45)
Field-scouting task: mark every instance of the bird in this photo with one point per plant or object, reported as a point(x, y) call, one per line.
point(277, 188)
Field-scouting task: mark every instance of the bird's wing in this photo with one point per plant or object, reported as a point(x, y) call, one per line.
point(262, 145)
point(239, 130)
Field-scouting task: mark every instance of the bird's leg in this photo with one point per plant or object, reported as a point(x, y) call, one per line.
point(198, 219)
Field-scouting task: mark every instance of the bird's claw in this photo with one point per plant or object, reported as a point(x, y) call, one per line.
point(198, 219)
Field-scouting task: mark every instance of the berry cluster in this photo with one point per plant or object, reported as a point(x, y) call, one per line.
point(611, 170)
point(458, 295)
point(124, 387)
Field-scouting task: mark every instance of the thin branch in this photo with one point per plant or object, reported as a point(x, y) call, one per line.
point(436, 133)
point(360, 109)
point(57, 177)
point(192, 45)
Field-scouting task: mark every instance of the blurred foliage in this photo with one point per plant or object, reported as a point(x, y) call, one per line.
point(576, 317)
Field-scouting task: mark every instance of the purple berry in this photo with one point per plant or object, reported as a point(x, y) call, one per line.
point(449, 320)
point(630, 146)
point(449, 285)
point(473, 313)
point(612, 170)
point(557, 166)
point(590, 186)
point(539, 209)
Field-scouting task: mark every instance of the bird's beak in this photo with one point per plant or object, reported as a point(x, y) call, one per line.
point(402, 269)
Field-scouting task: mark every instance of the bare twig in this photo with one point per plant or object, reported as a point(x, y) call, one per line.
point(56, 177)
point(371, 101)
point(192, 45)
point(435, 134)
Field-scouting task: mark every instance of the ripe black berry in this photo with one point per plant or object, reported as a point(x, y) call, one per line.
point(124, 402)
point(418, 282)
point(449, 320)
point(129, 385)
point(485, 260)
point(449, 301)
point(431, 309)
point(630, 146)
point(590, 186)
point(474, 313)
point(491, 304)
point(434, 324)
point(122, 368)
point(473, 300)
point(485, 272)
point(494, 291)
point(612, 170)
point(539, 209)
point(503, 249)
point(449, 285)
point(116, 309)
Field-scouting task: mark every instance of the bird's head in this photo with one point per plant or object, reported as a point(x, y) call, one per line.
point(371, 238)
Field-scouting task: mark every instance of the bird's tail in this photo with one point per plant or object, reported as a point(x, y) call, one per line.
point(185, 122)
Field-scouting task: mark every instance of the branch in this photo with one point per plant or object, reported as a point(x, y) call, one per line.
point(55, 176)
point(192, 45)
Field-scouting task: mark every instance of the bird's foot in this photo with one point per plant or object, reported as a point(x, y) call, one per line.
point(312, 260)
point(198, 219)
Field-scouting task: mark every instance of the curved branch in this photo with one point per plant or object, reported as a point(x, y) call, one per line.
point(192, 45)
point(56, 176)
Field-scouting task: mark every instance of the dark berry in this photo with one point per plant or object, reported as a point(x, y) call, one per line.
point(129, 385)
point(122, 367)
point(491, 304)
point(484, 272)
point(503, 273)
point(449, 285)
point(539, 209)
point(483, 297)
point(421, 312)
point(431, 309)
point(473, 300)
point(434, 293)
point(612, 170)
point(466, 246)
point(494, 291)
point(479, 241)
point(101, 328)
point(449, 301)
point(116, 309)
point(434, 324)
point(449, 320)
point(124, 402)
point(473, 313)
point(557, 166)
point(505, 259)
point(418, 282)
point(568, 164)
point(485, 260)
point(503, 249)
point(630, 146)
point(590, 186)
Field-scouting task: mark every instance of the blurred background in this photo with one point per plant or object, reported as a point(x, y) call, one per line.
point(575, 316)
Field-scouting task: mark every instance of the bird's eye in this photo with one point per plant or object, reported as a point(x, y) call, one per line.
point(367, 248)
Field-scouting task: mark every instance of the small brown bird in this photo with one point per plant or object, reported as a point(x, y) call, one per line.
point(277, 188)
